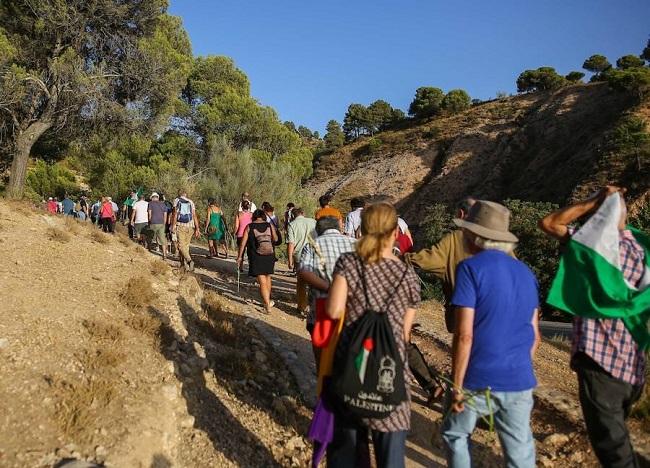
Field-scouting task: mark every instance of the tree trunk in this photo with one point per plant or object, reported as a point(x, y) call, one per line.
point(24, 143)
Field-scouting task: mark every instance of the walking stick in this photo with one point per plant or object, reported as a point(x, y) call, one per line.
point(238, 275)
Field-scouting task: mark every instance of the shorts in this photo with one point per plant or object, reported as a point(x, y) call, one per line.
point(138, 228)
point(158, 231)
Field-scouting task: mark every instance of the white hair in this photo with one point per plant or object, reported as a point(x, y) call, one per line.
point(488, 244)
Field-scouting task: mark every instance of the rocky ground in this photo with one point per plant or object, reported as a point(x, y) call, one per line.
point(109, 355)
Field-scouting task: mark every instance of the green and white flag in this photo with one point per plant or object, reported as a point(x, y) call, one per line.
point(590, 283)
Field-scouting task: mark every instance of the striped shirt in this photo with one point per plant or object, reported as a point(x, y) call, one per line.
point(607, 341)
point(384, 288)
point(319, 256)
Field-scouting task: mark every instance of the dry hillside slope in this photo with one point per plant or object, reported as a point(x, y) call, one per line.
point(540, 147)
point(108, 356)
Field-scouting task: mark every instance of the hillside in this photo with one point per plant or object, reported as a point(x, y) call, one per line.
point(539, 147)
point(108, 356)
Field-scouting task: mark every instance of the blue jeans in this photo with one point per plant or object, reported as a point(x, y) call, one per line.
point(512, 420)
point(349, 448)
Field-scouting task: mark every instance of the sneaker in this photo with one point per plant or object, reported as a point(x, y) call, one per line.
point(190, 266)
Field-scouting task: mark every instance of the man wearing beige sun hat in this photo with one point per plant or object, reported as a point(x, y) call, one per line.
point(495, 336)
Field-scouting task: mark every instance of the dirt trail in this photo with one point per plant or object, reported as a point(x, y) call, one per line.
point(109, 356)
point(556, 421)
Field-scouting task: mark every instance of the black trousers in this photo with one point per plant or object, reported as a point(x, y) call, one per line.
point(606, 403)
point(426, 377)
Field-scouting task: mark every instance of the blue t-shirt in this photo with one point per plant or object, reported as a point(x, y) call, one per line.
point(68, 206)
point(503, 293)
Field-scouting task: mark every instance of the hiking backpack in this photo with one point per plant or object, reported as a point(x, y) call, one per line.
point(184, 211)
point(262, 240)
point(368, 373)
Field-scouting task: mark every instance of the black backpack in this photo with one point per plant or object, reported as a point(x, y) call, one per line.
point(368, 373)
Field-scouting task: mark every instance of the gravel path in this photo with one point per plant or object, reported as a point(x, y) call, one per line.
point(557, 421)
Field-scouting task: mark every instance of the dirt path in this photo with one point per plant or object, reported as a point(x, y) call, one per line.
point(558, 431)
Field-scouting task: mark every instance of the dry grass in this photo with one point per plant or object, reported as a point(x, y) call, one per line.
point(82, 405)
point(137, 293)
point(100, 237)
point(220, 319)
point(159, 268)
point(103, 331)
point(124, 240)
point(232, 363)
point(145, 323)
point(21, 207)
point(72, 225)
point(58, 235)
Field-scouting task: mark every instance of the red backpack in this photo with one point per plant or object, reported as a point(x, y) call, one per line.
point(404, 243)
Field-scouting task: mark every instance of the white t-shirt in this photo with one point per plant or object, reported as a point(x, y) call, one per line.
point(352, 222)
point(141, 215)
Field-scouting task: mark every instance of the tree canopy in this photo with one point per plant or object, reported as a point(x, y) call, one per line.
point(541, 79)
point(118, 63)
point(629, 61)
point(426, 102)
point(456, 100)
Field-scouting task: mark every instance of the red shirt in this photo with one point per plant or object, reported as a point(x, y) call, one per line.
point(51, 206)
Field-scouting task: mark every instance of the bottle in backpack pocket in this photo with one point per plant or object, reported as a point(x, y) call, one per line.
point(368, 374)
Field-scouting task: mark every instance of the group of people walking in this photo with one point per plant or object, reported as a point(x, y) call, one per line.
point(359, 292)
point(354, 270)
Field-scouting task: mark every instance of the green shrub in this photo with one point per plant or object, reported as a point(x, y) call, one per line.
point(537, 250)
point(436, 223)
point(374, 145)
point(641, 219)
point(48, 180)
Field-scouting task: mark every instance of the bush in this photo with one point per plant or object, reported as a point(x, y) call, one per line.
point(632, 80)
point(456, 100)
point(538, 251)
point(436, 223)
point(374, 145)
point(641, 219)
point(542, 79)
point(49, 180)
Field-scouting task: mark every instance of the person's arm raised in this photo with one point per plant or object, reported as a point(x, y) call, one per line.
point(556, 224)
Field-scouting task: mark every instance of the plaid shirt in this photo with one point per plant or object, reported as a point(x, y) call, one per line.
point(319, 256)
point(607, 341)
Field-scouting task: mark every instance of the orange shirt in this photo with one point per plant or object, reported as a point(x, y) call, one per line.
point(328, 211)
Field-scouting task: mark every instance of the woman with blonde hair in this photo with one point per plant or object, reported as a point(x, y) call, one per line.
point(374, 279)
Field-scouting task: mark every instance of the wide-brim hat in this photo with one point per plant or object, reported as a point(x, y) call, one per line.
point(489, 220)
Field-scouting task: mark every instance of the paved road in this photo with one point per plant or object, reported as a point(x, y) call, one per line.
point(554, 329)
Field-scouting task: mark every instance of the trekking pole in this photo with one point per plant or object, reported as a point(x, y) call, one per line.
point(238, 275)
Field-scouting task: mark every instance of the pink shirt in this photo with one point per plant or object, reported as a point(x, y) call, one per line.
point(245, 218)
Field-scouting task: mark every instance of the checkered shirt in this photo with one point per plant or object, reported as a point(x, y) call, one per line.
point(319, 256)
point(607, 341)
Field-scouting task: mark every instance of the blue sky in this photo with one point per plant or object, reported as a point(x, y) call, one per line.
point(310, 59)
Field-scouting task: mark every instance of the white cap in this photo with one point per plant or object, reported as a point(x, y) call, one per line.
point(50, 198)
point(155, 195)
